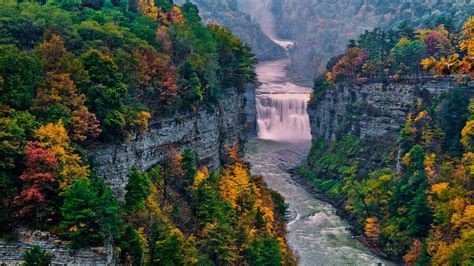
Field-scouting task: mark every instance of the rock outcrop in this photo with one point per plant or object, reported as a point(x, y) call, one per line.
point(373, 111)
point(209, 133)
point(12, 253)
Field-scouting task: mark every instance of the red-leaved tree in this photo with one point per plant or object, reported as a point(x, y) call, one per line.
point(37, 180)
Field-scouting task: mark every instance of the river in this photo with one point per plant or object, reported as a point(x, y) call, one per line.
point(315, 233)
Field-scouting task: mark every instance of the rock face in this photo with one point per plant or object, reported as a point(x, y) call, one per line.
point(209, 133)
point(12, 253)
point(373, 111)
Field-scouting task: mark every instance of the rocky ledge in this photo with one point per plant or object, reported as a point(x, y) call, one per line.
point(209, 132)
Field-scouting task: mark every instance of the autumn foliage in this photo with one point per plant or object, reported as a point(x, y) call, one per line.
point(38, 179)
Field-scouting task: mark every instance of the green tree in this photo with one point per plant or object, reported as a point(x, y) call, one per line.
point(406, 56)
point(138, 189)
point(90, 213)
point(132, 250)
point(105, 91)
point(166, 246)
point(453, 114)
point(19, 73)
point(189, 166)
point(264, 250)
point(37, 256)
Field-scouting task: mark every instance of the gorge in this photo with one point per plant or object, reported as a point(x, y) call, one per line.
point(186, 132)
point(315, 233)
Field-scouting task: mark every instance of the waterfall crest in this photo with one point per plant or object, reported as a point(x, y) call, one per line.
point(283, 117)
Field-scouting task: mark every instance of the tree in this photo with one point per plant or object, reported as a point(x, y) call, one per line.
point(19, 73)
point(157, 75)
point(132, 250)
point(456, 63)
point(220, 242)
point(236, 60)
point(372, 229)
point(55, 58)
point(94, 4)
point(453, 113)
point(138, 189)
point(406, 56)
point(436, 41)
point(264, 250)
point(90, 213)
point(350, 65)
point(57, 98)
point(189, 166)
point(105, 91)
point(37, 256)
point(54, 137)
point(37, 181)
point(16, 127)
point(377, 44)
point(166, 246)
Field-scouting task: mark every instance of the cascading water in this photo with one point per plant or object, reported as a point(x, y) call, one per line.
point(283, 117)
point(281, 105)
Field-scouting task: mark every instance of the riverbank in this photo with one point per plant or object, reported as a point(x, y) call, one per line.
point(338, 205)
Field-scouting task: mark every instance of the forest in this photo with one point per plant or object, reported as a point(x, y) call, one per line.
point(419, 208)
point(323, 28)
point(81, 72)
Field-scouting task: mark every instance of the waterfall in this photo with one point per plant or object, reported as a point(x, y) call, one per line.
point(283, 117)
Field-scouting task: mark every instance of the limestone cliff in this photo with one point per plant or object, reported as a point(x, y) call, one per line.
point(209, 133)
point(372, 112)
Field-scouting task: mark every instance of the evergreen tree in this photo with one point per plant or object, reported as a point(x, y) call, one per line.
point(189, 166)
point(90, 213)
point(453, 114)
point(131, 247)
point(37, 256)
point(264, 250)
point(138, 189)
point(166, 246)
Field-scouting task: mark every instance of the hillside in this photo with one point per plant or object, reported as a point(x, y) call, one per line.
point(393, 143)
point(322, 29)
point(228, 13)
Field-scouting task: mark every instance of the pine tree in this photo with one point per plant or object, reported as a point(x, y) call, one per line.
point(90, 213)
point(138, 189)
point(189, 166)
point(36, 256)
point(264, 250)
point(131, 247)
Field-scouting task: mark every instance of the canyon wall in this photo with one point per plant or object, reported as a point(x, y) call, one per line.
point(209, 133)
point(373, 112)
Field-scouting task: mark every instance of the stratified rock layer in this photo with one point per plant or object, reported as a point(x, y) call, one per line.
point(209, 132)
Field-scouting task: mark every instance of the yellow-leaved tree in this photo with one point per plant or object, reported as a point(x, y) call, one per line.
point(455, 63)
point(54, 137)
